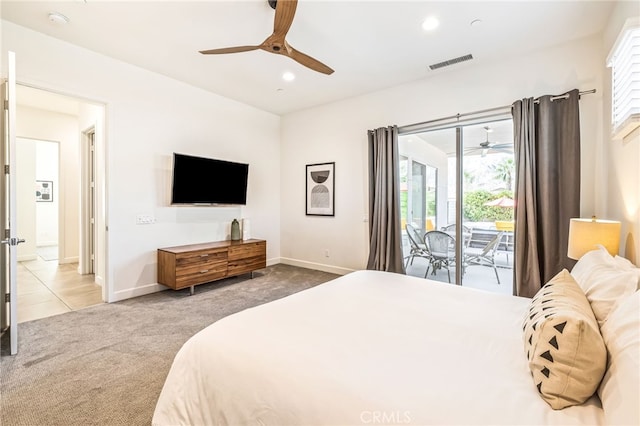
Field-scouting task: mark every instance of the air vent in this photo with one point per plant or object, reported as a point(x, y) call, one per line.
point(451, 62)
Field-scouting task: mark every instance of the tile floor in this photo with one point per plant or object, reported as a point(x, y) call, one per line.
point(46, 288)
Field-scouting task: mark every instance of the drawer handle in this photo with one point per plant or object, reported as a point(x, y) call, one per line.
point(204, 272)
point(204, 255)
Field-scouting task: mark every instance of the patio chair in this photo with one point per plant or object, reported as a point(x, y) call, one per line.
point(466, 233)
point(485, 257)
point(452, 228)
point(416, 243)
point(442, 250)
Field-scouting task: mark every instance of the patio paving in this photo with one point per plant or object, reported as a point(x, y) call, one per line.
point(476, 276)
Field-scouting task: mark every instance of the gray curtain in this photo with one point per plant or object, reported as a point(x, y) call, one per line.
point(547, 150)
point(385, 238)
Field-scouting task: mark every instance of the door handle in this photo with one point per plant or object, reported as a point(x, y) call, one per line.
point(13, 241)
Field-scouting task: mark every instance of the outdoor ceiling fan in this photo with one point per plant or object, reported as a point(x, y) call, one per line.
point(276, 42)
point(485, 146)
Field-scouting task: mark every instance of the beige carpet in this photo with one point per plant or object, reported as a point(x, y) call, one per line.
point(105, 365)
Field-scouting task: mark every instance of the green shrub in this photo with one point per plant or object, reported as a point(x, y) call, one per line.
point(475, 210)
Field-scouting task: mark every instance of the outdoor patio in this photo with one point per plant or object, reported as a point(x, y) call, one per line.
point(475, 276)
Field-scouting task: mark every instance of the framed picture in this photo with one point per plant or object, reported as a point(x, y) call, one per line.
point(44, 191)
point(321, 185)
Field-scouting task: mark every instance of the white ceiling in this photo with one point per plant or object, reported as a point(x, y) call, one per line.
point(371, 45)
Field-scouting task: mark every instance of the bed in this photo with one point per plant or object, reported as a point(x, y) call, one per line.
point(369, 348)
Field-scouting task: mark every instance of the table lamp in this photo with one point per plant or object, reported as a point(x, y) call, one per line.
point(586, 234)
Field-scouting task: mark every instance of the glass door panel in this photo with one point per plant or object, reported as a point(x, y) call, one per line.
point(488, 205)
point(424, 158)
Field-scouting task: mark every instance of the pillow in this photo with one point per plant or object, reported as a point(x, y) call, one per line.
point(620, 387)
point(627, 265)
point(605, 280)
point(567, 356)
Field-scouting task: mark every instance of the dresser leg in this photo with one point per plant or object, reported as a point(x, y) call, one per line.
point(191, 290)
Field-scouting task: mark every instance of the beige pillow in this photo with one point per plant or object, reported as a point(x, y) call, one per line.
point(620, 387)
point(567, 356)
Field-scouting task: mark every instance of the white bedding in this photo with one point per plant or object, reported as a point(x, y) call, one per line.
point(366, 348)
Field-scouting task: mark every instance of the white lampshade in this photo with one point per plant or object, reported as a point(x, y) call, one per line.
point(586, 234)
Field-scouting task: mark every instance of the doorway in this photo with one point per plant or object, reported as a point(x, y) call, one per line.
point(54, 281)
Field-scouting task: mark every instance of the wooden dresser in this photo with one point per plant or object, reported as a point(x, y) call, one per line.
point(193, 264)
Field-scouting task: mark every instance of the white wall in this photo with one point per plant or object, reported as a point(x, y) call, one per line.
point(149, 116)
point(337, 132)
point(45, 125)
point(619, 195)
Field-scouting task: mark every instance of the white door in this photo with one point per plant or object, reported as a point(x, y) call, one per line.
point(8, 237)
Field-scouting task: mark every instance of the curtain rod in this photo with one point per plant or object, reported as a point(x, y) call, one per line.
point(566, 95)
point(503, 109)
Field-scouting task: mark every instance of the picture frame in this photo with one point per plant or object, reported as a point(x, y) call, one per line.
point(320, 189)
point(44, 191)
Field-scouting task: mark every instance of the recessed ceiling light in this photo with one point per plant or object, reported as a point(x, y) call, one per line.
point(288, 76)
point(58, 18)
point(476, 23)
point(430, 23)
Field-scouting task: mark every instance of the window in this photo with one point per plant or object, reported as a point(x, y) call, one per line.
point(624, 60)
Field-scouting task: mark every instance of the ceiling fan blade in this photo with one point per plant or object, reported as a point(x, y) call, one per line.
point(502, 145)
point(503, 150)
point(285, 11)
point(229, 50)
point(306, 60)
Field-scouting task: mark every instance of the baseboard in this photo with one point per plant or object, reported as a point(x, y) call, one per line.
point(27, 257)
point(317, 266)
point(46, 243)
point(99, 280)
point(137, 291)
point(68, 260)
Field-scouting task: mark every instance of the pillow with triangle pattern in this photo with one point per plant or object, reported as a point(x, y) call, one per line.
point(566, 353)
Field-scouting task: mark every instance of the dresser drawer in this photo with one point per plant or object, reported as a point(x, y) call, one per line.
point(200, 257)
point(203, 274)
point(259, 248)
point(243, 266)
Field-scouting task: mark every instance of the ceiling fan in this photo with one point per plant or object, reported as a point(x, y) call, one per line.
point(276, 42)
point(485, 146)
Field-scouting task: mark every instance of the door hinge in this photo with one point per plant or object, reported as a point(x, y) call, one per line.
point(7, 233)
point(6, 169)
point(7, 298)
point(6, 105)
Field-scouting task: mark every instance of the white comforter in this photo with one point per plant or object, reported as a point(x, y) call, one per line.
point(367, 348)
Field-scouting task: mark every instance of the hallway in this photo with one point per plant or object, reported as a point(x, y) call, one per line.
point(46, 289)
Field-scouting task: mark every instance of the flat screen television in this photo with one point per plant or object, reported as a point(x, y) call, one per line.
point(199, 180)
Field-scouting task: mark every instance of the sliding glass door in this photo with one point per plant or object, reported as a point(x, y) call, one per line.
point(470, 204)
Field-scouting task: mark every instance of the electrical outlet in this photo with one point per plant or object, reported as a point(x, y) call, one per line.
point(326, 252)
point(145, 219)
